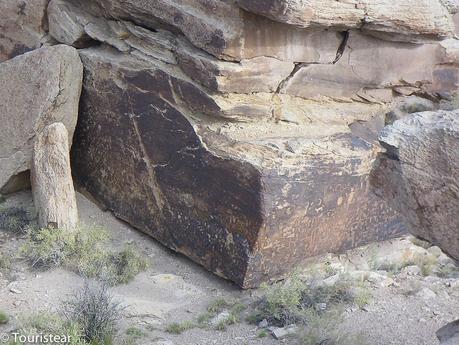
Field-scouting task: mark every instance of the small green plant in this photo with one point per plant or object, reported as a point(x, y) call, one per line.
point(362, 297)
point(204, 319)
point(426, 263)
point(5, 263)
point(127, 265)
point(83, 251)
point(262, 334)
point(232, 319)
point(4, 319)
point(217, 305)
point(135, 332)
point(179, 328)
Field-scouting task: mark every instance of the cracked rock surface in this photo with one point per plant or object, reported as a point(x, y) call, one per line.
point(419, 174)
point(242, 134)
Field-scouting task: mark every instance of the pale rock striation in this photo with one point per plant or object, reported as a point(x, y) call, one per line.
point(419, 175)
point(38, 88)
point(51, 177)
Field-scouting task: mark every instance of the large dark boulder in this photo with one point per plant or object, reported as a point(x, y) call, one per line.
point(246, 202)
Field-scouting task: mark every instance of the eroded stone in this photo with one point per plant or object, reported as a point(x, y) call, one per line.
point(38, 88)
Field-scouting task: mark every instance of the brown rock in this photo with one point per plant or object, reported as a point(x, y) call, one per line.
point(247, 200)
point(52, 184)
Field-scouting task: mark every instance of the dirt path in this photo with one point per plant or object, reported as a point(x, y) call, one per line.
point(406, 309)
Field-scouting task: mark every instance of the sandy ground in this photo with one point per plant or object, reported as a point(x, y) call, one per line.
point(407, 309)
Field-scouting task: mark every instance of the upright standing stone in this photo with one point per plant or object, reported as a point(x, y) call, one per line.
point(52, 185)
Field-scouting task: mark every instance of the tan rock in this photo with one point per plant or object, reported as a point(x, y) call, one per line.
point(52, 184)
point(410, 20)
point(367, 63)
point(419, 175)
point(218, 27)
point(38, 88)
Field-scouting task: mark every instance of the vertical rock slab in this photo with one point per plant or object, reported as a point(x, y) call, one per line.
point(52, 184)
point(419, 175)
point(23, 26)
point(38, 88)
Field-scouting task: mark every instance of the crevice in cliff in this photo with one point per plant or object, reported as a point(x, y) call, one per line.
point(342, 46)
point(283, 84)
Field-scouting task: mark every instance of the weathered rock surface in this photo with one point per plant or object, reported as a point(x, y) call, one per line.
point(399, 20)
point(23, 26)
point(419, 174)
point(243, 134)
point(370, 63)
point(38, 88)
point(449, 334)
point(52, 184)
point(246, 200)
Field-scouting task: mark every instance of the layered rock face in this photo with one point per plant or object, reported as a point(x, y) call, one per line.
point(419, 174)
point(243, 133)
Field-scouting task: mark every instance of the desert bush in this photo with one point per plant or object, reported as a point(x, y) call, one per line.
point(324, 329)
point(5, 263)
point(127, 264)
point(83, 251)
point(94, 310)
point(14, 220)
point(178, 328)
point(286, 302)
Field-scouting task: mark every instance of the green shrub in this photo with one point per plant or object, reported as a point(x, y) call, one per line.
point(290, 301)
point(127, 264)
point(324, 328)
point(5, 263)
point(217, 306)
point(83, 251)
point(4, 319)
point(179, 328)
